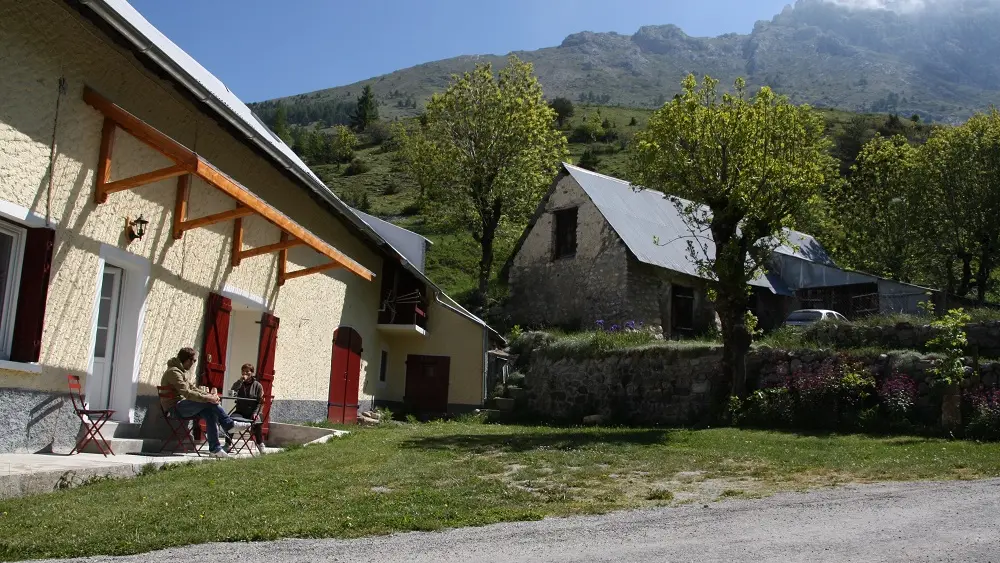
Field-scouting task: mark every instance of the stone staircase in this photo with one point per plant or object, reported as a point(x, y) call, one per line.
point(123, 439)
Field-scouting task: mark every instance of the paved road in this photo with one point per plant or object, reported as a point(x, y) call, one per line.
point(956, 521)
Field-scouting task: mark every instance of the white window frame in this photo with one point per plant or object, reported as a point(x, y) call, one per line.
point(12, 291)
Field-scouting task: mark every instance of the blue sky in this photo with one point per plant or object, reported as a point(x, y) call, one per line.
point(263, 49)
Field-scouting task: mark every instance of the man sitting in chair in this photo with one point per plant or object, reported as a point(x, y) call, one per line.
point(192, 401)
point(249, 394)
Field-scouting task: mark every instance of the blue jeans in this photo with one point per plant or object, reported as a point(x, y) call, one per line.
point(214, 416)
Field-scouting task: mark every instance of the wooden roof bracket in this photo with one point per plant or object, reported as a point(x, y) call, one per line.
point(187, 163)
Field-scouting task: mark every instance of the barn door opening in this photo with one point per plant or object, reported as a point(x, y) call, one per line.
point(345, 376)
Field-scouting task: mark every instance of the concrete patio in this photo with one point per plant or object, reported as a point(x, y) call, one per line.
point(34, 473)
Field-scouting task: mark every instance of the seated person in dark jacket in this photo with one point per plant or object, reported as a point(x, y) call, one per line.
point(249, 394)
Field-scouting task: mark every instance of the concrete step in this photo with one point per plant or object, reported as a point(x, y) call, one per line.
point(123, 430)
point(123, 446)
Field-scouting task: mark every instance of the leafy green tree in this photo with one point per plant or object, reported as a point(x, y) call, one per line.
point(366, 112)
point(316, 147)
point(563, 108)
point(856, 133)
point(281, 124)
point(960, 184)
point(340, 146)
point(879, 209)
point(747, 165)
point(486, 155)
point(589, 160)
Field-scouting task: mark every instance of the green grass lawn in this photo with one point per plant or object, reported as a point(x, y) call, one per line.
point(438, 475)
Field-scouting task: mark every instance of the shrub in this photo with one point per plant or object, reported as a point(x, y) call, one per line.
point(633, 122)
point(516, 379)
point(392, 188)
point(410, 210)
point(985, 421)
point(898, 393)
point(378, 132)
point(357, 166)
point(766, 408)
point(950, 341)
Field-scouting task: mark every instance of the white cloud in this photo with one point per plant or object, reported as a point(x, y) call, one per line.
point(903, 6)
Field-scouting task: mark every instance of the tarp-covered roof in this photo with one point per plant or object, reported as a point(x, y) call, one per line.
point(651, 226)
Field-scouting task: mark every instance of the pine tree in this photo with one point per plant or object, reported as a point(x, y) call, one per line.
point(281, 124)
point(367, 110)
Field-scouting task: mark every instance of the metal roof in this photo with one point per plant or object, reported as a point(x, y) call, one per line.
point(408, 243)
point(207, 88)
point(653, 229)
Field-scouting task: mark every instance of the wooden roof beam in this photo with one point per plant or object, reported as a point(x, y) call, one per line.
point(267, 249)
point(191, 162)
point(216, 218)
point(307, 271)
point(143, 179)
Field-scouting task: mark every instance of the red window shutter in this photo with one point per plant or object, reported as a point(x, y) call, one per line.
point(265, 361)
point(29, 321)
point(213, 351)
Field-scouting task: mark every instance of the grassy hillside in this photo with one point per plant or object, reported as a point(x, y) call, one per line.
point(385, 191)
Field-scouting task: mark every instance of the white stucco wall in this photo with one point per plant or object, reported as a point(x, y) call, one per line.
point(42, 40)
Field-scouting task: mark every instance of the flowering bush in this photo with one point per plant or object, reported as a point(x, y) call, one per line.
point(985, 421)
point(898, 393)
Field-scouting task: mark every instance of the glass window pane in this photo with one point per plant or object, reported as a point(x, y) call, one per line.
point(101, 342)
point(108, 285)
point(104, 313)
point(6, 248)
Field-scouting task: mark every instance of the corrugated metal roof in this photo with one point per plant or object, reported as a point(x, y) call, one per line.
point(408, 243)
point(654, 230)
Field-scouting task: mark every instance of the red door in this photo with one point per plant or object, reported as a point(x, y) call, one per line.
point(427, 383)
point(213, 350)
point(265, 362)
point(345, 376)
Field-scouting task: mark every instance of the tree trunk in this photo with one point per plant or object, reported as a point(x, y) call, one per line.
point(735, 343)
point(485, 266)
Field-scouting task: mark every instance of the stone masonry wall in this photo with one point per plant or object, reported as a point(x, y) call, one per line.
point(649, 297)
point(653, 385)
point(573, 291)
point(984, 338)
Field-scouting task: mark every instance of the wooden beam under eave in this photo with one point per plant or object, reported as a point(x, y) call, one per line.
point(236, 252)
point(269, 248)
point(143, 179)
point(312, 270)
point(104, 160)
point(282, 260)
point(187, 158)
point(213, 176)
point(141, 130)
point(216, 218)
point(181, 205)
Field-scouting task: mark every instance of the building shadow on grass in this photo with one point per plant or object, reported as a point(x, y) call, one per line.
point(558, 440)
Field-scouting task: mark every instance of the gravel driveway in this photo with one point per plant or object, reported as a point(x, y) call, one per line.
point(953, 521)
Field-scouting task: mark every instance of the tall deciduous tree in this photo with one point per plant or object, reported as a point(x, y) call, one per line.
point(879, 210)
point(564, 110)
point(960, 179)
point(486, 155)
point(748, 165)
point(366, 112)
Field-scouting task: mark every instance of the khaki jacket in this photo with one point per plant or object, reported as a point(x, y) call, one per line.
point(177, 378)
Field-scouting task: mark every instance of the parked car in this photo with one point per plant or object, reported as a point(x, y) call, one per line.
point(806, 317)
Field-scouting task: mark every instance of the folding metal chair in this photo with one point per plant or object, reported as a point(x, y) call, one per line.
point(179, 425)
point(91, 419)
point(242, 440)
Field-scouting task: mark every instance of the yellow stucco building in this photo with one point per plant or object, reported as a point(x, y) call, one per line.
point(244, 253)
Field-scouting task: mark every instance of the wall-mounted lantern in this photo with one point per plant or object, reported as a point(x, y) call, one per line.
point(137, 228)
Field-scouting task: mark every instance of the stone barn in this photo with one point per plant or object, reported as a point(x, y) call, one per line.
point(598, 249)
